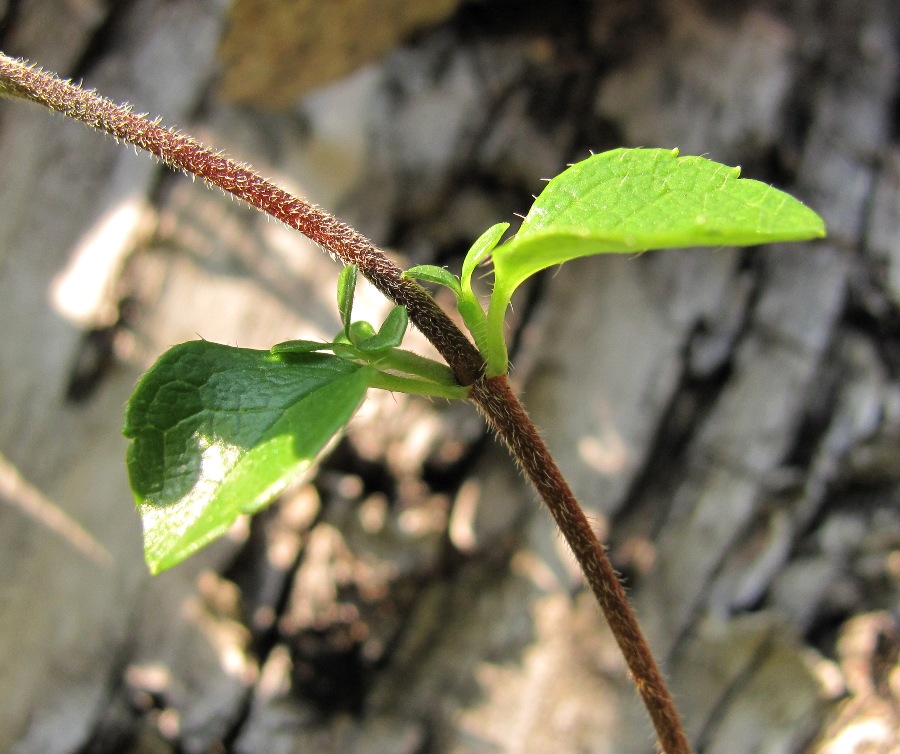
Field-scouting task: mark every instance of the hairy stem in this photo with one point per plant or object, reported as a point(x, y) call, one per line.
point(185, 153)
point(508, 417)
point(493, 396)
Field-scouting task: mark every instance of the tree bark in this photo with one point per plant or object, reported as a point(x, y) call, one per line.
point(727, 418)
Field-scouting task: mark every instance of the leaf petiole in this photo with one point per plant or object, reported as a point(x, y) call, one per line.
point(399, 360)
point(424, 372)
point(415, 386)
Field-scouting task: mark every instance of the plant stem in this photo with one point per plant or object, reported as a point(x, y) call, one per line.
point(493, 396)
point(508, 417)
point(17, 78)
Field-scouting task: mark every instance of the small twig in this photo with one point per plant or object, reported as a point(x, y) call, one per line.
point(493, 396)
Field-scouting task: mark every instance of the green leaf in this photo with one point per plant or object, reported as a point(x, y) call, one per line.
point(483, 246)
point(630, 200)
point(346, 290)
point(638, 199)
point(432, 274)
point(359, 332)
point(391, 333)
point(220, 431)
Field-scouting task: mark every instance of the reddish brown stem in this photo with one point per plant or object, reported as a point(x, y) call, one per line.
point(182, 152)
point(493, 396)
point(508, 417)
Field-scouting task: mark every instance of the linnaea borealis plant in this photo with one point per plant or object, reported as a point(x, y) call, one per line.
point(217, 432)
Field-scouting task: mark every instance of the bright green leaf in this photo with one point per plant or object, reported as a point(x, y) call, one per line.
point(483, 246)
point(220, 431)
point(432, 274)
point(391, 333)
point(630, 200)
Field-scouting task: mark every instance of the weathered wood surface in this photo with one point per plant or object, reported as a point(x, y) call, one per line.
point(730, 419)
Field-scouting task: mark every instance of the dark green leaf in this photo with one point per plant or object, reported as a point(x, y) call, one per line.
point(220, 431)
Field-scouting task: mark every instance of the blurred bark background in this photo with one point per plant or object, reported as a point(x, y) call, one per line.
point(729, 418)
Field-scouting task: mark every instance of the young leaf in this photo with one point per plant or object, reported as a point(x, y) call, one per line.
point(432, 274)
point(630, 200)
point(466, 301)
point(220, 431)
point(483, 246)
point(391, 333)
point(346, 290)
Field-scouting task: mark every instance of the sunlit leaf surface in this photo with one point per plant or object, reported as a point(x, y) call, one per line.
point(630, 200)
point(219, 431)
